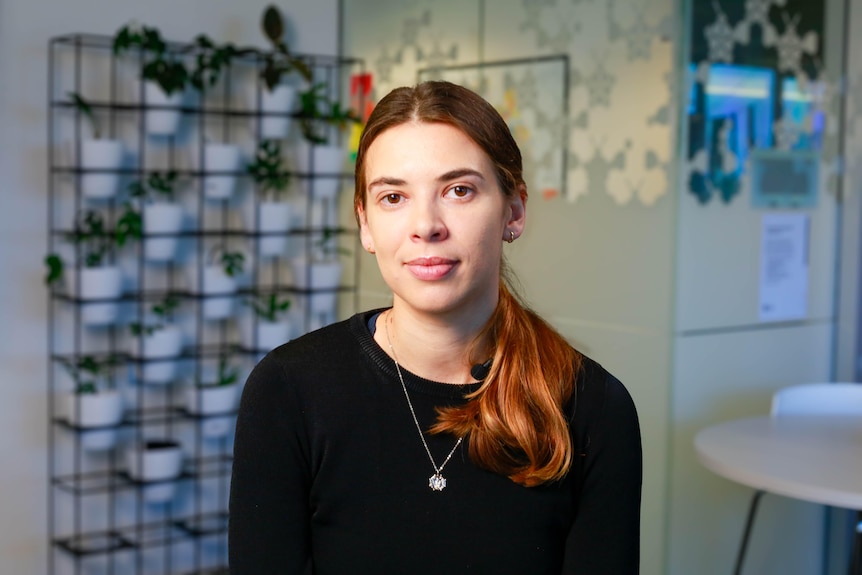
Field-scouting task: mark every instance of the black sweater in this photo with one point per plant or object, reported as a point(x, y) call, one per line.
point(330, 475)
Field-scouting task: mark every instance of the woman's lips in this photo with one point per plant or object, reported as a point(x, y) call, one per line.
point(430, 268)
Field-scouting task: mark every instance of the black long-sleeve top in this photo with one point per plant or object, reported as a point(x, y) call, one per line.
point(330, 475)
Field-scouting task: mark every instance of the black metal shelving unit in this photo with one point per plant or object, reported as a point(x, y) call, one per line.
point(100, 518)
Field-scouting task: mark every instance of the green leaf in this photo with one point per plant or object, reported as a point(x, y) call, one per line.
point(55, 269)
point(272, 24)
point(232, 262)
point(130, 225)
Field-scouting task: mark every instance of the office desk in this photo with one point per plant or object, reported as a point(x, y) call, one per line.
point(808, 457)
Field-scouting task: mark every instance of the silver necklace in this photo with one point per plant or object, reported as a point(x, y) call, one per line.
point(436, 482)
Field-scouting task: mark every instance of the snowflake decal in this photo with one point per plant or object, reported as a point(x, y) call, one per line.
point(599, 86)
point(639, 39)
point(558, 41)
point(791, 47)
point(437, 58)
point(757, 13)
point(412, 27)
point(720, 37)
point(787, 133)
point(598, 169)
point(384, 65)
point(698, 182)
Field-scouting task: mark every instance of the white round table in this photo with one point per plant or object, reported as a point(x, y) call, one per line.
point(809, 457)
point(813, 458)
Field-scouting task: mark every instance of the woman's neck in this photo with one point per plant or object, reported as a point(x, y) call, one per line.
point(428, 347)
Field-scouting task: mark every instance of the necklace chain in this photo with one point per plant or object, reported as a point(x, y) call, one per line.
point(436, 482)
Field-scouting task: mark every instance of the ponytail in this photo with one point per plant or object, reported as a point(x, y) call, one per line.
point(516, 421)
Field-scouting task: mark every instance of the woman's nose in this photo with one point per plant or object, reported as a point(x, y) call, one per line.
point(428, 222)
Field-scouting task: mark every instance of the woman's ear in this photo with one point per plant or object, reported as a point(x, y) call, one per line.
point(517, 214)
point(364, 232)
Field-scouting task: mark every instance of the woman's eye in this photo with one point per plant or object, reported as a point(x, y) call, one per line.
point(460, 191)
point(391, 198)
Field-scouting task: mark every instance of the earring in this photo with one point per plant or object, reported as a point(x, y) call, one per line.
point(511, 237)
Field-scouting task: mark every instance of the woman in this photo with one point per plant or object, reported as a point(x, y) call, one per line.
point(455, 432)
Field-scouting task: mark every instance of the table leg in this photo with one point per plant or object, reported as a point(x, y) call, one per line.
point(752, 510)
point(856, 558)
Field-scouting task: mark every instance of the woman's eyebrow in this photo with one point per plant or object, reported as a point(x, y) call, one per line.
point(386, 181)
point(446, 177)
point(460, 173)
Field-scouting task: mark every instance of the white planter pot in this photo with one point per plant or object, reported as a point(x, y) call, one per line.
point(85, 410)
point(94, 410)
point(99, 283)
point(326, 164)
point(159, 462)
point(166, 342)
point(269, 335)
point(162, 218)
point(279, 102)
point(100, 155)
point(205, 400)
point(165, 121)
point(217, 282)
point(155, 460)
point(272, 218)
point(325, 276)
point(220, 158)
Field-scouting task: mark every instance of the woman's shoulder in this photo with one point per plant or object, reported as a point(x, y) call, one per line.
point(311, 356)
point(599, 392)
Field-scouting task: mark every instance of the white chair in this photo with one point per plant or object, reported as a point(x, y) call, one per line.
point(840, 398)
point(818, 399)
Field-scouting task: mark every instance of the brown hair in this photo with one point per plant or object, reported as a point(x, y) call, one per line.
point(516, 419)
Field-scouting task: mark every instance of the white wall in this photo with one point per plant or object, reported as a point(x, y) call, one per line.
point(25, 28)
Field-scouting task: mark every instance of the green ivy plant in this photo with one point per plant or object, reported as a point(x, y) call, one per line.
point(211, 60)
point(95, 240)
point(157, 184)
point(225, 375)
point(88, 371)
point(86, 110)
point(231, 262)
point(267, 169)
point(130, 225)
point(54, 275)
point(318, 112)
point(162, 311)
point(278, 61)
point(161, 66)
point(328, 245)
point(269, 308)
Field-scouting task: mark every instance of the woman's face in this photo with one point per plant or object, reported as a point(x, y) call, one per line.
point(436, 218)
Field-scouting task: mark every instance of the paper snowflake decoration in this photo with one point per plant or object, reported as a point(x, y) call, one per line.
point(720, 37)
point(436, 58)
point(639, 39)
point(757, 13)
point(598, 169)
point(599, 85)
point(695, 174)
point(412, 26)
point(384, 65)
point(791, 47)
point(787, 133)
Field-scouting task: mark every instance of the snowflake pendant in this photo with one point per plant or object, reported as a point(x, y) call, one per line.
point(437, 482)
